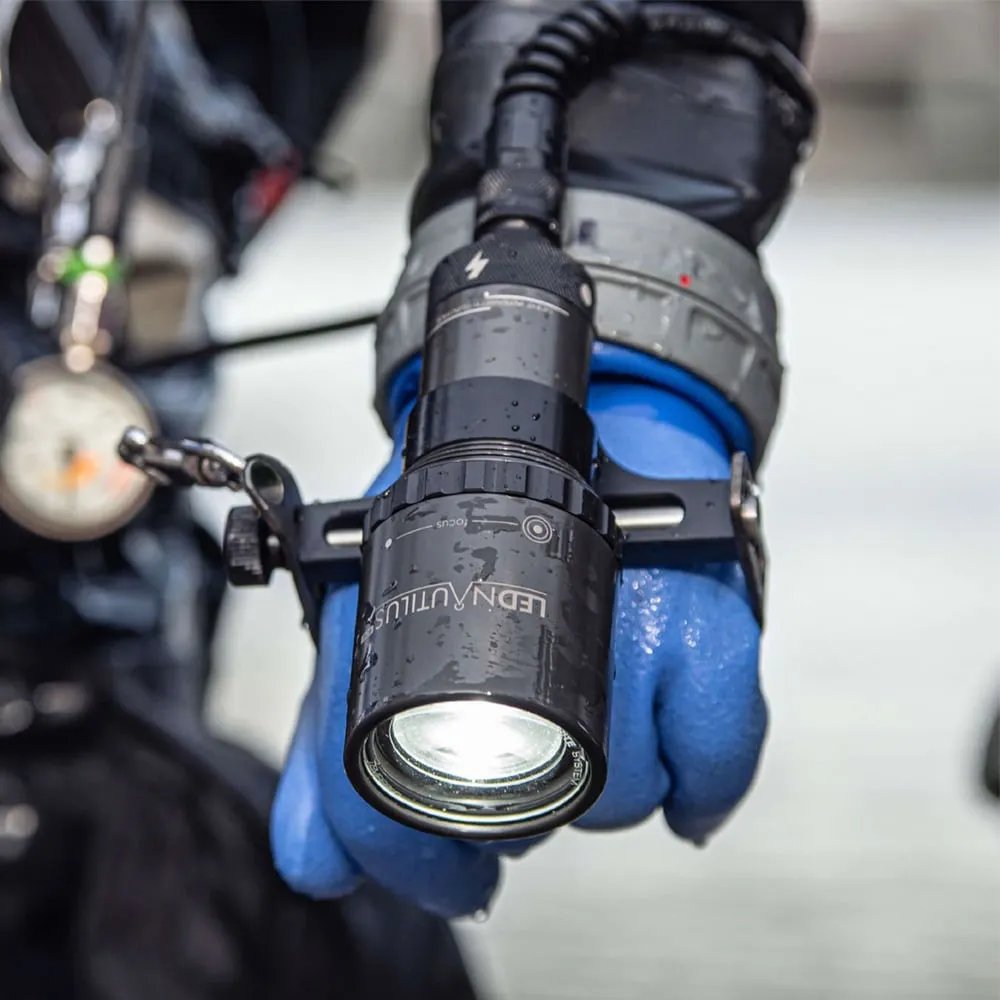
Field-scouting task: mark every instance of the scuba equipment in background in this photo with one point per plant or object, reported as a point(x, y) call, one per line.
point(59, 480)
point(87, 551)
point(57, 476)
point(64, 483)
point(56, 57)
point(85, 544)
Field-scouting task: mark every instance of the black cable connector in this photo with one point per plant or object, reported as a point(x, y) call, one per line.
point(211, 349)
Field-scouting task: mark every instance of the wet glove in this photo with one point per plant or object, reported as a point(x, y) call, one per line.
point(688, 718)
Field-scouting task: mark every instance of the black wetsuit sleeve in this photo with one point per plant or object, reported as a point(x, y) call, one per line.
point(697, 131)
point(786, 21)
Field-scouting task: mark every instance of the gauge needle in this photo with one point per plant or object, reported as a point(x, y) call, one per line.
point(67, 478)
point(79, 467)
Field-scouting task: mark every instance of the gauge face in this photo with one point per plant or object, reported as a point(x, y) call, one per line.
point(60, 474)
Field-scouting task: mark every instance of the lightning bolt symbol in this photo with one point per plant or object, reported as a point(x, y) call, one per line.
point(476, 266)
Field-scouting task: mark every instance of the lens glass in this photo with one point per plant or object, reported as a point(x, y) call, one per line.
point(475, 763)
point(476, 741)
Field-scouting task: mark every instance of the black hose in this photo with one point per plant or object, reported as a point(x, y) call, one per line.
point(117, 179)
point(211, 350)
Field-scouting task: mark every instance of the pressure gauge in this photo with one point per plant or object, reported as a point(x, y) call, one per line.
point(60, 474)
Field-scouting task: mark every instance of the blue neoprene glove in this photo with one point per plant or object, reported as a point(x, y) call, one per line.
point(688, 718)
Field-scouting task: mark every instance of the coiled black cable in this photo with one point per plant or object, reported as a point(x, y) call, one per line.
point(527, 148)
point(582, 38)
point(527, 145)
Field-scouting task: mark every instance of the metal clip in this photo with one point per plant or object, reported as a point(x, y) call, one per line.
point(187, 462)
point(270, 487)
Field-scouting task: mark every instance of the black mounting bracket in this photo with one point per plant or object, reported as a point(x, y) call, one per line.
point(669, 524)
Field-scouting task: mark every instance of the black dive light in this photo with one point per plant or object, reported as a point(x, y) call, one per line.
point(479, 699)
point(481, 676)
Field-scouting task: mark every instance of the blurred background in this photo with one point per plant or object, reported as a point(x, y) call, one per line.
point(865, 864)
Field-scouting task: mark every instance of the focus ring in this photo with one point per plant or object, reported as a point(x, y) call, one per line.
point(520, 479)
point(512, 409)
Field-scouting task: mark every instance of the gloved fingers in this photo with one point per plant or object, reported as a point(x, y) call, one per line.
point(306, 853)
point(637, 781)
point(686, 644)
point(710, 713)
point(443, 876)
